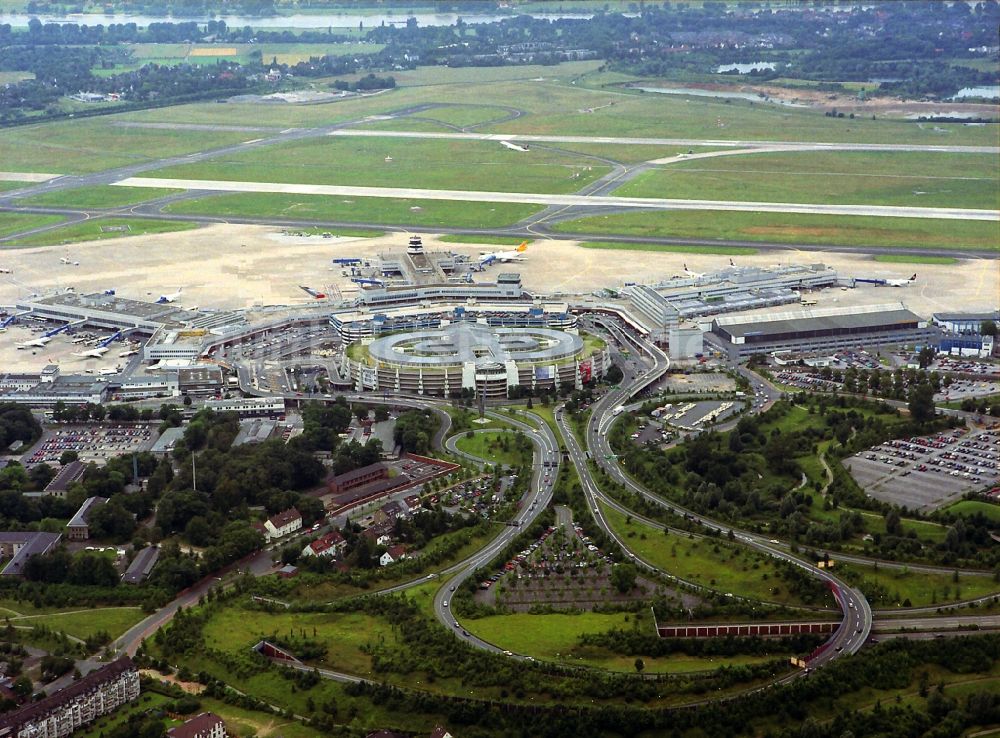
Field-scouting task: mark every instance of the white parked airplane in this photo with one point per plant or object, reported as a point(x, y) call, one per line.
point(95, 353)
point(504, 256)
point(163, 299)
point(688, 272)
point(901, 282)
point(34, 342)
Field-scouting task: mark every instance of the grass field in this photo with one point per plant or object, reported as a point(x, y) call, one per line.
point(678, 249)
point(489, 446)
point(464, 115)
point(714, 564)
point(919, 587)
point(972, 507)
point(16, 222)
point(84, 146)
point(359, 210)
point(555, 637)
point(95, 229)
point(84, 623)
point(558, 108)
point(912, 259)
point(9, 78)
point(101, 196)
point(832, 230)
point(234, 630)
point(466, 165)
point(844, 178)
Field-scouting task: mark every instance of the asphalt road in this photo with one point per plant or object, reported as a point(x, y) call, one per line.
point(856, 613)
point(632, 140)
point(577, 200)
point(535, 500)
point(529, 229)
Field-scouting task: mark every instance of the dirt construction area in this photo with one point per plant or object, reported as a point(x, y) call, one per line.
point(229, 266)
point(928, 472)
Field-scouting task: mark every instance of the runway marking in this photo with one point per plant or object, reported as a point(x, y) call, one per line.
point(649, 203)
point(27, 176)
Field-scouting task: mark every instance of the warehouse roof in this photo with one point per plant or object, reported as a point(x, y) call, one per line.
point(873, 316)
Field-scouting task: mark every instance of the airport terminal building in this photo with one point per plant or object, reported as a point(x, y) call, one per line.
point(820, 330)
point(474, 357)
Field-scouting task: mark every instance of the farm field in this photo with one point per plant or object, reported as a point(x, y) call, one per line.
point(359, 210)
point(843, 178)
point(286, 53)
point(388, 162)
point(839, 230)
point(556, 637)
point(101, 196)
point(97, 229)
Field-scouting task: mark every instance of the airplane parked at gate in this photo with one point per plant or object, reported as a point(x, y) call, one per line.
point(901, 282)
point(486, 257)
point(173, 297)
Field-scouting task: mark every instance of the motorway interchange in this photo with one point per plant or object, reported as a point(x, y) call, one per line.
point(550, 452)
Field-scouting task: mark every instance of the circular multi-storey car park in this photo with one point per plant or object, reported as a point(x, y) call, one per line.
point(471, 356)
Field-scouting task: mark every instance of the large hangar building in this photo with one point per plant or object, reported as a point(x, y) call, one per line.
point(827, 329)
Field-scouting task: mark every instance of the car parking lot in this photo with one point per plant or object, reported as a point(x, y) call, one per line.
point(92, 443)
point(924, 473)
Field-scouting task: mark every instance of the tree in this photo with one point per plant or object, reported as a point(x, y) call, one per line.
point(926, 356)
point(623, 577)
point(921, 403)
point(23, 687)
point(988, 328)
point(639, 665)
point(68, 457)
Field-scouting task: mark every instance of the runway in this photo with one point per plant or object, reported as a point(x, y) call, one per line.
point(643, 203)
point(631, 141)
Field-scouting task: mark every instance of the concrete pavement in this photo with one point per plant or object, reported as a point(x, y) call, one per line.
point(532, 198)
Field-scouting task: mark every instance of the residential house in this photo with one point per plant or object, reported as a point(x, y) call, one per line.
point(392, 555)
point(329, 545)
point(389, 513)
point(205, 725)
point(282, 524)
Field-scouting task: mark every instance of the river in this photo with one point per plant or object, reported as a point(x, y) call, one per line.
point(299, 20)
